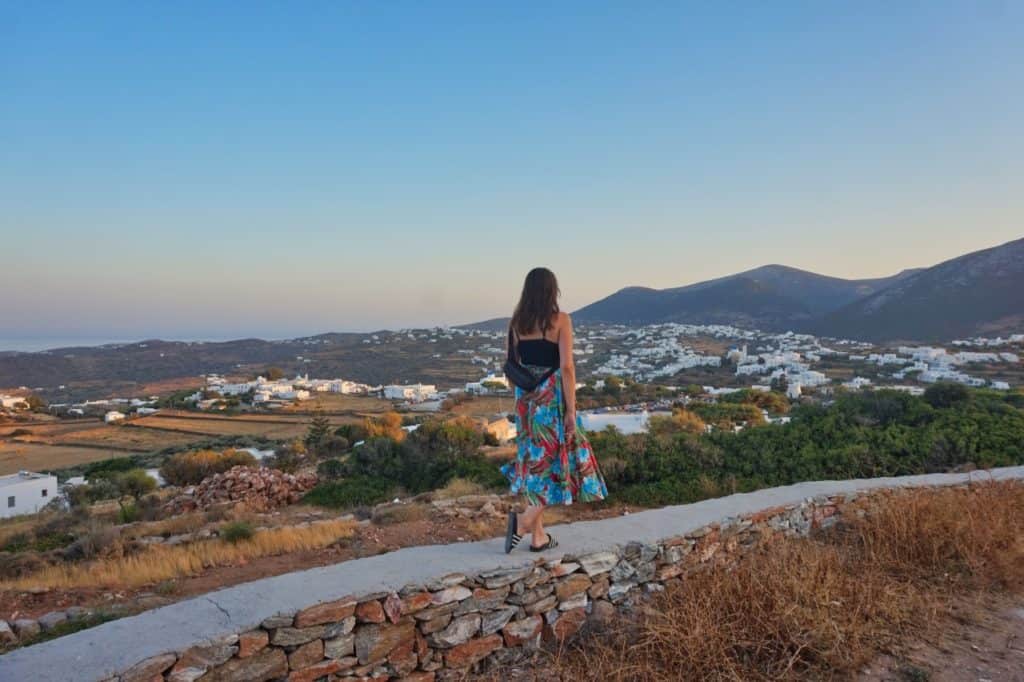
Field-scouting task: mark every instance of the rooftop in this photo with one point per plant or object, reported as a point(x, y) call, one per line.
point(20, 477)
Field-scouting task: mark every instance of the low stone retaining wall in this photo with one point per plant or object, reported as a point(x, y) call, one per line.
point(439, 630)
point(297, 626)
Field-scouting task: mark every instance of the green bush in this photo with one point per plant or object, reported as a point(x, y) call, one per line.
point(359, 491)
point(110, 467)
point(330, 470)
point(128, 513)
point(861, 435)
point(236, 531)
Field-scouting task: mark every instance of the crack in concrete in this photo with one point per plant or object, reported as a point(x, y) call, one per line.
point(219, 608)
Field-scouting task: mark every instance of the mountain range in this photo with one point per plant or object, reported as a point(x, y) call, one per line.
point(977, 293)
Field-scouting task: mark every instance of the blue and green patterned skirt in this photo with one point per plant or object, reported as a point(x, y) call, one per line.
point(551, 468)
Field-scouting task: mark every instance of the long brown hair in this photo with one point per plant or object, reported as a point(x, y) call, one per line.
point(538, 303)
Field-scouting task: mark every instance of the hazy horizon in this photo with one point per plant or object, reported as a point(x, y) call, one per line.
point(196, 171)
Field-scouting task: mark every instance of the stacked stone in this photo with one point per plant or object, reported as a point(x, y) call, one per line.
point(459, 623)
point(259, 489)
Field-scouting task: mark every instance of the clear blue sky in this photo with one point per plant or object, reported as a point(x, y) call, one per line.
point(197, 169)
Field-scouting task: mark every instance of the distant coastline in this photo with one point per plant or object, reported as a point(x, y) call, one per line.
point(36, 344)
point(32, 345)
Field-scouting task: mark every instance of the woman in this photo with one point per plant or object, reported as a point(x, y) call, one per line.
point(554, 462)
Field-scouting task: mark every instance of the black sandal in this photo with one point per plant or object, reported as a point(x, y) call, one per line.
point(511, 537)
point(550, 544)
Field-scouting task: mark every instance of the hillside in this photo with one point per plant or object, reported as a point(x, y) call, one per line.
point(771, 297)
point(116, 369)
point(981, 293)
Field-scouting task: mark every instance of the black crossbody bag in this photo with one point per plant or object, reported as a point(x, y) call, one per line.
point(519, 375)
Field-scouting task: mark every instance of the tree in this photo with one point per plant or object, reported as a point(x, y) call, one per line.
point(35, 403)
point(135, 483)
point(353, 433)
point(290, 457)
point(316, 435)
point(388, 425)
point(274, 373)
point(693, 390)
point(946, 394)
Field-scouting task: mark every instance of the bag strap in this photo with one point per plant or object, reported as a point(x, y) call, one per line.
point(513, 355)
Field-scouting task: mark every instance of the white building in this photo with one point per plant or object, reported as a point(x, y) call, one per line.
point(113, 416)
point(412, 392)
point(626, 422)
point(481, 388)
point(25, 493)
point(10, 402)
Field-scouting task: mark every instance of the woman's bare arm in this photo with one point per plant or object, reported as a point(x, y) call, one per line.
point(568, 366)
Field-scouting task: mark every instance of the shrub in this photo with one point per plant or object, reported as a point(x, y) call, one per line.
point(190, 468)
point(333, 446)
point(876, 433)
point(109, 467)
point(400, 513)
point(128, 513)
point(161, 562)
point(431, 456)
point(352, 492)
point(681, 421)
point(330, 470)
point(388, 425)
point(236, 531)
point(458, 487)
point(289, 458)
point(96, 538)
point(946, 394)
point(135, 483)
point(821, 607)
point(353, 433)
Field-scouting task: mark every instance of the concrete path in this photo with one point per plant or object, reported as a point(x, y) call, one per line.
point(107, 649)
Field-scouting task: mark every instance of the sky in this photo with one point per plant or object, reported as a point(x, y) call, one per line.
point(218, 170)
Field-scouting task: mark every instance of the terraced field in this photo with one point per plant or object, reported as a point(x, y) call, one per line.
point(16, 456)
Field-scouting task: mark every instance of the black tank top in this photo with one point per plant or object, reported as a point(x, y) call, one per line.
point(539, 352)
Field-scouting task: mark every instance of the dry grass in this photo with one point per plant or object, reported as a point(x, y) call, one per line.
point(821, 608)
point(175, 525)
point(158, 563)
point(458, 487)
point(400, 513)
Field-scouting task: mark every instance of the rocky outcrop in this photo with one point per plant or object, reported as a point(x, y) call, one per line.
point(256, 489)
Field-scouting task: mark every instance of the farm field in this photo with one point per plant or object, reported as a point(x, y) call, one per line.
point(231, 426)
point(124, 438)
point(44, 431)
point(16, 456)
point(485, 406)
point(338, 403)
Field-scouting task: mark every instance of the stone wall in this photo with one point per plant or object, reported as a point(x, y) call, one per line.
point(441, 629)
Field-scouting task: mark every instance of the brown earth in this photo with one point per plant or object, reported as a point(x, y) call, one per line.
point(989, 647)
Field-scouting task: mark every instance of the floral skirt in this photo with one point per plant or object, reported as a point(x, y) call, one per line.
point(551, 468)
